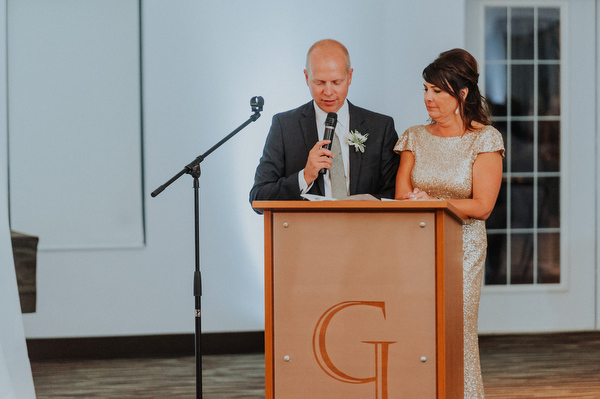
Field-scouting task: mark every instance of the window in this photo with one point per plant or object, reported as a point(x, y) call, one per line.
point(522, 83)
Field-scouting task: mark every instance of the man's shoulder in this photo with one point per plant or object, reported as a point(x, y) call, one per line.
point(303, 110)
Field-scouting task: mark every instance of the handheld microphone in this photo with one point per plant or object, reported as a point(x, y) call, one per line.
point(330, 123)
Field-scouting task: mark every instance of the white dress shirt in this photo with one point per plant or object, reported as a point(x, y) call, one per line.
point(342, 130)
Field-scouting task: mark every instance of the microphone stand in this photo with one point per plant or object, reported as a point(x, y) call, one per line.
point(193, 169)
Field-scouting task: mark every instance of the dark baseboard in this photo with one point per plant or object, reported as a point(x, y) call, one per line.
point(145, 346)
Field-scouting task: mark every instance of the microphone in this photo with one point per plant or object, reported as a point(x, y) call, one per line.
point(257, 103)
point(330, 123)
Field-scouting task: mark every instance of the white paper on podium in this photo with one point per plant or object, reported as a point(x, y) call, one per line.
point(356, 197)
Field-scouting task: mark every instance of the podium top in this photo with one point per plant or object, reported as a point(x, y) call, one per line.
point(360, 206)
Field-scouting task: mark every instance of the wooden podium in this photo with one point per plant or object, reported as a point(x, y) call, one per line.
point(363, 299)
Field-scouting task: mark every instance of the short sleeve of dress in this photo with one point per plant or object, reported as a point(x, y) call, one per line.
point(490, 140)
point(405, 142)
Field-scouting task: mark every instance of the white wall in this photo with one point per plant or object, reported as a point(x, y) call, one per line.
point(202, 62)
point(15, 372)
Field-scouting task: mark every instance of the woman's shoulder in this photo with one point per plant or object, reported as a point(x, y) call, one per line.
point(408, 139)
point(489, 139)
point(486, 131)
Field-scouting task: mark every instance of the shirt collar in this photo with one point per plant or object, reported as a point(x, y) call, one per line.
point(342, 115)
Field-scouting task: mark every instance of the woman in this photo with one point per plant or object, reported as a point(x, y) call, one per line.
point(457, 157)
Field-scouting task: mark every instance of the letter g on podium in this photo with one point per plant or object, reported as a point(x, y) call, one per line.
point(381, 350)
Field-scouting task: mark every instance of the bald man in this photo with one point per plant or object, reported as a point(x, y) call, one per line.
point(295, 151)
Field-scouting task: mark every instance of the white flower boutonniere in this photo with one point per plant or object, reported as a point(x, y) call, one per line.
point(358, 140)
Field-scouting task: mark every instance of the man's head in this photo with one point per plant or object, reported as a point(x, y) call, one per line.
point(328, 74)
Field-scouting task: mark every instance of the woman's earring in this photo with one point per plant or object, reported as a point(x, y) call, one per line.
point(456, 112)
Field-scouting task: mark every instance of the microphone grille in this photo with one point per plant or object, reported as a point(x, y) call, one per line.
point(331, 119)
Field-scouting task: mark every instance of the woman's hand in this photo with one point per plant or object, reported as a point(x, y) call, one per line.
point(416, 194)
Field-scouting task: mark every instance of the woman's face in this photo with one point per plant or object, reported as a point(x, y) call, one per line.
point(440, 104)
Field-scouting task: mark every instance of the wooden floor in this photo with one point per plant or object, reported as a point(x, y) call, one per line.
point(516, 367)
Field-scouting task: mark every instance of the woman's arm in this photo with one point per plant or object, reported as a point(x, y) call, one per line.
point(403, 182)
point(487, 178)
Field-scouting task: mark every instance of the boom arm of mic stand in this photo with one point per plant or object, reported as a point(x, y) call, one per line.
point(192, 165)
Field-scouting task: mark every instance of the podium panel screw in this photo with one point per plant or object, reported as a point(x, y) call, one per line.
point(286, 358)
point(422, 225)
point(423, 359)
point(286, 225)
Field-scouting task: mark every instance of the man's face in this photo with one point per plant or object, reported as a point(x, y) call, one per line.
point(327, 78)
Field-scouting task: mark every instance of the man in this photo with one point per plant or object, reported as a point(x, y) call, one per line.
point(294, 151)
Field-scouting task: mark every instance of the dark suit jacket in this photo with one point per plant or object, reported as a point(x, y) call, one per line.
point(294, 133)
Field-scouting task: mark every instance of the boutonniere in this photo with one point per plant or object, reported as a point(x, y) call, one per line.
point(358, 140)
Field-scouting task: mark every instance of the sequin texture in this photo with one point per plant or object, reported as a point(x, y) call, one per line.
point(444, 168)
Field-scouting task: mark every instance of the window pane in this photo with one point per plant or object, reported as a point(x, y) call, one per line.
point(548, 202)
point(521, 252)
point(497, 219)
point(495, 88)
point(522, 39)
point(549, 90)
point(522, 90)
point(495, 261)
point(521, 203)
point(549, 146)
point(521, 147)
point(495, 33)
point(549, 34)
point(548, 258)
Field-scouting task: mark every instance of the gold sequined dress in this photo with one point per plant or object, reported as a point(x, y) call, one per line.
point(444, 168)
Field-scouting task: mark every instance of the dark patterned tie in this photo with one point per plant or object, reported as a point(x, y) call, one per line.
point(338, 179)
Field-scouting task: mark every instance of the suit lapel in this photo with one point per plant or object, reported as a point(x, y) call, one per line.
point(356, 123)
point(308, 125)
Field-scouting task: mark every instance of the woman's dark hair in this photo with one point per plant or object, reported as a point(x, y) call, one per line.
point(453, 71)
